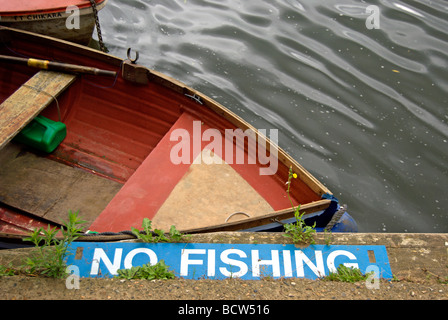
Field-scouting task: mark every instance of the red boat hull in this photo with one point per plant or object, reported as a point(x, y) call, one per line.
point(120, 133)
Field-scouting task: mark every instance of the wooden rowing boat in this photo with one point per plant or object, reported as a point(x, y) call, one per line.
point(72, 20)
point(138, 145)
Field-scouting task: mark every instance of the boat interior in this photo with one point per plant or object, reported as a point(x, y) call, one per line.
point(114, 164)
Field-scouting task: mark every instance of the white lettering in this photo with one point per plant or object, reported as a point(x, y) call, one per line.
point(234, 139)
point(263, 158)
point(215, 146)
point(182, 147)
point(332, 256)
point(99, 255)
point(274, 262)
point(72, 21)
point(317, 268)
point(233, 263)
point(373, 21)
point(185, 260)
point(240, 136)
point(72, 281)
point(130, 256)
point(373, 279)
point(211, 263)
point(197, 141)
point(287, 263)
point(195, 310)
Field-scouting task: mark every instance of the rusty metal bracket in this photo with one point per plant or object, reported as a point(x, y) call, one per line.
point(134, 72)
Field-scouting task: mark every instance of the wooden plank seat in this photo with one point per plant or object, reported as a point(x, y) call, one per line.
point(29, 100)
point(49, 189)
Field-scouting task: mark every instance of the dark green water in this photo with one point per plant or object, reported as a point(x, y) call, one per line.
point(364, 110)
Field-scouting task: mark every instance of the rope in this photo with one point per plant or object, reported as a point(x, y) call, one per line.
point(109, 233)
point(336, 217)
point(49, 94)
point(235, 214)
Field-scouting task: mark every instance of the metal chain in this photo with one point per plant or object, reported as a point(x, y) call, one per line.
point(98, 28)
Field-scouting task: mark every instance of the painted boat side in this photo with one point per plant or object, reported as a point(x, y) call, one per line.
point(50, 18)
point(42, 6)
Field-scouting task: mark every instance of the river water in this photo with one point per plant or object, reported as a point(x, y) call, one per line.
point(359, 96)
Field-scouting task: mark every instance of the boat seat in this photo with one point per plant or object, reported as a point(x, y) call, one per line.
point(29, 100)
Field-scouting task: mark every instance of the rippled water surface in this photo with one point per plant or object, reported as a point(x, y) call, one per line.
point(364, 110)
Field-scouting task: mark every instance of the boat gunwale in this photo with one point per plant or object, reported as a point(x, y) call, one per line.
point(84, 9)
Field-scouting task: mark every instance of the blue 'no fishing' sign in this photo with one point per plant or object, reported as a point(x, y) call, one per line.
point(220, 261)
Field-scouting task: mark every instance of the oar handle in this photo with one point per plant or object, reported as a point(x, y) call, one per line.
point(58, 66)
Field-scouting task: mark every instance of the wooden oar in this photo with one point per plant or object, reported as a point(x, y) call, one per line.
point(57, 66)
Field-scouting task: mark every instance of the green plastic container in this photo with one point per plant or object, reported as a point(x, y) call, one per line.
point(43, 134)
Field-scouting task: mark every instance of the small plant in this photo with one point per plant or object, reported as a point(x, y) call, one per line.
point(6, 271)
point(148, 235)
point(395, 278)
point(175, 235)
point(346, 274)
point(298, 231)
point(49, 258)
point(147, 271)
point(328, 237)
point(440, 279)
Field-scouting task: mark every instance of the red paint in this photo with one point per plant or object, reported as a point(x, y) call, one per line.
point(26, 7)
point(147, 189)
point(15, 222)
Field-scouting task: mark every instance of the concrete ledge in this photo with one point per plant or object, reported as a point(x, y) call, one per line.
point(412, 256)
point(418, 261)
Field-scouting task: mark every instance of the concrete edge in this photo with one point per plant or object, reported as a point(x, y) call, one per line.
point(412, 256)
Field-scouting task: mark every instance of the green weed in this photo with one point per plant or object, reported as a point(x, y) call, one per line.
point(175, 234)
point(147, 271)
point(346, 274)
point(154, 236)
point(328, 237)
point(7, 271)
point(49, 257)
point(298, 231)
